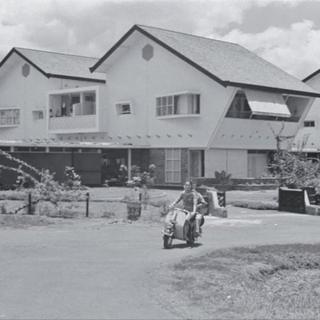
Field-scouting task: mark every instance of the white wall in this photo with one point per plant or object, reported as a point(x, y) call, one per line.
point(251, 134)
point(314, 112)
point(308, 138)
point(131, 78)
point(234, 162)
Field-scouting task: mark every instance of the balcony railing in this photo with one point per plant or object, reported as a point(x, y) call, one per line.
point(85, 123)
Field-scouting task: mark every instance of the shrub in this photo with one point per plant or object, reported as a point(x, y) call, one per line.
point(257, 205)
point(222, 177)
point(296, 169)
point(3, 209)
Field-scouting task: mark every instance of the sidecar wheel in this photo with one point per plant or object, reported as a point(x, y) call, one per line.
point(167, 242)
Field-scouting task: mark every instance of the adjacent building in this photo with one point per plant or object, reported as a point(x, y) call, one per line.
point(188, 104)
point(308, 137)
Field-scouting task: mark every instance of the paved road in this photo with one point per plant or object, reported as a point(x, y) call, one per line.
point(95, 270)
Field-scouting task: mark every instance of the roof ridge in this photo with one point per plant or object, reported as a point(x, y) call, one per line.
point(55, 52)
point(188, 34)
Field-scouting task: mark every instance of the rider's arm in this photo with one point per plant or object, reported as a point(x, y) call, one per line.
point(201, 200)
point(195, 201)
point(176, 201)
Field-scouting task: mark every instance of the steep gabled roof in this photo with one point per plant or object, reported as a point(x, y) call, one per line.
point(227, 63)
point(312, 75)
point(58, 65)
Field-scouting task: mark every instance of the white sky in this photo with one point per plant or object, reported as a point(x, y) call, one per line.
point(285, 32)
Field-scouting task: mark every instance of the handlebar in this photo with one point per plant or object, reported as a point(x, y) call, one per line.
point(180, 209)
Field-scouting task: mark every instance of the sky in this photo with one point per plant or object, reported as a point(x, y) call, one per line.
point(284, 32)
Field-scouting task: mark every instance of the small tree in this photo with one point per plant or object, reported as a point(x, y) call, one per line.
point(294, 169)
point(44, 186)
point(297, 170)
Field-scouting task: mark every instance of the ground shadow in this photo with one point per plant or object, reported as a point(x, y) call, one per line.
point(185, 245)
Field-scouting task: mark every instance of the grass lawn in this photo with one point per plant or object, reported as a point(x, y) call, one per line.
point(267, 282)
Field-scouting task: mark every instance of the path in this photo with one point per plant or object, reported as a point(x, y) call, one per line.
point(89, 269)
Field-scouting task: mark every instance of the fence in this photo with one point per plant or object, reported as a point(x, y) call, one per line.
point(84, 207)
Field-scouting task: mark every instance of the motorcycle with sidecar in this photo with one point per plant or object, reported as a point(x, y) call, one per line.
point(176, 226)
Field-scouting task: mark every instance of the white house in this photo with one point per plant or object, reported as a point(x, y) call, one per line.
point(308, 137)
point(31, 83)
point(188, 104)
point(199, 104)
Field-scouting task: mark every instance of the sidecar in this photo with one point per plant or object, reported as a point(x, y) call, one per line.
point(177, 227)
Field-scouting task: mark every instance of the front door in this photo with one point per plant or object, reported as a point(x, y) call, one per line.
point(196, 163)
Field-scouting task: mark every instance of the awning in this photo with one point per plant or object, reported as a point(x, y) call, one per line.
point(267, 104)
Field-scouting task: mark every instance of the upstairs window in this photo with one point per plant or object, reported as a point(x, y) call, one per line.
point(309, 123)
point(260, 105)
point(37, 114)
point(239, 107)
point(124, 108)
point(9, 117)
point(178, 104)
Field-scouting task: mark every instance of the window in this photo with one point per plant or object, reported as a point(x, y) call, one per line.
point(123, 108)
point(172, 165)
point(37, 114)
point(90, 97)
point(239, 107)
point(9, 117)
point(309, 124)
point(259, 105)
point(178, 104)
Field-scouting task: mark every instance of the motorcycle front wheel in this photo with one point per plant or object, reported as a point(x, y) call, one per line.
point(190, 236)
point(167, 242)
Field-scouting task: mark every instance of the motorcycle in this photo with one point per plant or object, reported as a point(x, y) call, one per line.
point(176, 226)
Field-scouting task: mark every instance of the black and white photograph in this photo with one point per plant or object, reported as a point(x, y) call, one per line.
point(159, 159)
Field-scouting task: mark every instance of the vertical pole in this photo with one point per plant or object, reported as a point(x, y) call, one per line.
point(87, 204)
point(129, 163)
point(224, 198)
point(29, 203)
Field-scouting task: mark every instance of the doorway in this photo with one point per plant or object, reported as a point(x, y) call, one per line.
point(196, 164)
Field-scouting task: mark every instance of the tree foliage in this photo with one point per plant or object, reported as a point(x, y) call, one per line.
point(296, 169)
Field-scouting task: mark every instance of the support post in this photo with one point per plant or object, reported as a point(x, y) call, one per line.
point(29, 203)
point(87, 204)
point(129, 163)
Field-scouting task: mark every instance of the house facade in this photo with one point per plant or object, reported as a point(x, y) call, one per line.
point(200, 105)
point(37, 90)
point(308, 136)
point(189, 105)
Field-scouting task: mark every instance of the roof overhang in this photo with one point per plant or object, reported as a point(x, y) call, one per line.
point(52, 143)
point(311, 76)
point(273, 89)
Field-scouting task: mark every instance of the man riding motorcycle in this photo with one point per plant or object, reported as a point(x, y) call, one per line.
point(191, 201)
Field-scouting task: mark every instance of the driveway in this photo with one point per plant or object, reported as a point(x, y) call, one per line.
point(89, 269)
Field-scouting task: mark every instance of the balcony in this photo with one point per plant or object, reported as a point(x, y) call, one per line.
point(79, 123)
point(73, 110)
